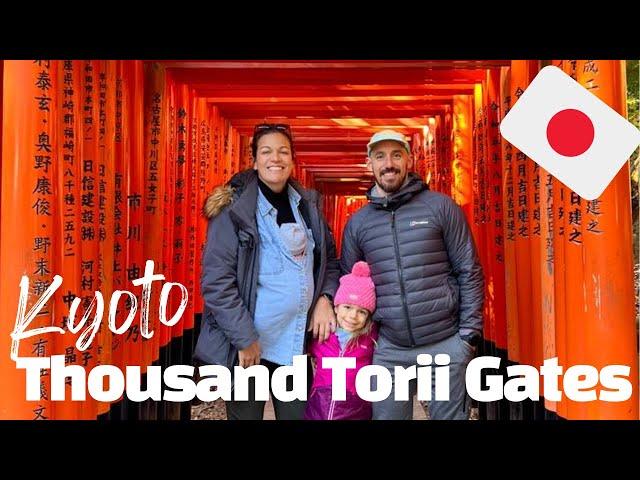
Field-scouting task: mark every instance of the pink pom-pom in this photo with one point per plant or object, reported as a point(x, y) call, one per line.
point(361, 269)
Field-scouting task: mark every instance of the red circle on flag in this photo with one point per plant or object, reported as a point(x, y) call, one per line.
point(570, 132)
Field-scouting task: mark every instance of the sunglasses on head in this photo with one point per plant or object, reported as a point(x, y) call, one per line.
point(278, 127)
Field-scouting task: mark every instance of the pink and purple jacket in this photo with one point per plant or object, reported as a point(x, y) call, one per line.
point(320, 405)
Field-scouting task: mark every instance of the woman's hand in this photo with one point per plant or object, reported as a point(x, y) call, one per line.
point(250, 355)
point(323, 319)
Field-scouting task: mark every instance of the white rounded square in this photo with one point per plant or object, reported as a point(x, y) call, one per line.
point(614, 138)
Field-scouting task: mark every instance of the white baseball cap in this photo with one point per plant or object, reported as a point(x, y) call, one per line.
point(388, 135)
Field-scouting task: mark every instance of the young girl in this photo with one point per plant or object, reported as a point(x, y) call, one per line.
point(355, 336)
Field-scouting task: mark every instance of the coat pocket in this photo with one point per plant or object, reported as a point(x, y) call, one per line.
point(454, 295)
point(212, 347)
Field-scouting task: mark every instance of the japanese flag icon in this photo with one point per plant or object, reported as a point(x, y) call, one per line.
point(570, 132)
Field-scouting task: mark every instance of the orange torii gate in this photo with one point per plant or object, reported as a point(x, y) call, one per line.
point(108, 163)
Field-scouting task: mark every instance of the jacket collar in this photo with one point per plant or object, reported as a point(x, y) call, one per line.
point(414, 186)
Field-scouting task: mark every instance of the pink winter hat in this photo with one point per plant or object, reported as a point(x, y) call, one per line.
point(357, 288)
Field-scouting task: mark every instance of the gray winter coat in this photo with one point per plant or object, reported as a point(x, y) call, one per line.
point(429, 282)
point(230, 263)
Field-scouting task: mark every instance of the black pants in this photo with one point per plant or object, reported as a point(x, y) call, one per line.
point(254, 409)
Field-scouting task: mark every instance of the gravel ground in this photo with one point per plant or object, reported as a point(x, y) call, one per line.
point(209, 411)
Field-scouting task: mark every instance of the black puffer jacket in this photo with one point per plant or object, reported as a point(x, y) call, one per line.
point(230, 264)
point(429, 282)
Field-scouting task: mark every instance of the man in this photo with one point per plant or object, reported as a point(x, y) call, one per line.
point(428, 278)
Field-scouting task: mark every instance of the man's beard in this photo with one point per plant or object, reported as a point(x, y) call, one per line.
point(390, 188)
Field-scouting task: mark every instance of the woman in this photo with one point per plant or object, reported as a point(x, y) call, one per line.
point(269, 270)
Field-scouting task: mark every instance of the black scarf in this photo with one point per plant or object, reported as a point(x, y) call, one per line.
point(279, 201)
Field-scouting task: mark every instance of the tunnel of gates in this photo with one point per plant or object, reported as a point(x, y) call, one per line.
point(106, 164)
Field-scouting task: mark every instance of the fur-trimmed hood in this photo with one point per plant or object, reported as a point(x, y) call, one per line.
point(219, 198)
point(223, 195)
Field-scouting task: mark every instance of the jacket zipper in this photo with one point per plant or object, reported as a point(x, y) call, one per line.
point(332, 405)
point(401, 277)
point(247, 266)
point(252, 269)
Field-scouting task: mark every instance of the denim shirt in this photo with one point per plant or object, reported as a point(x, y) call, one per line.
point(285, 286)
